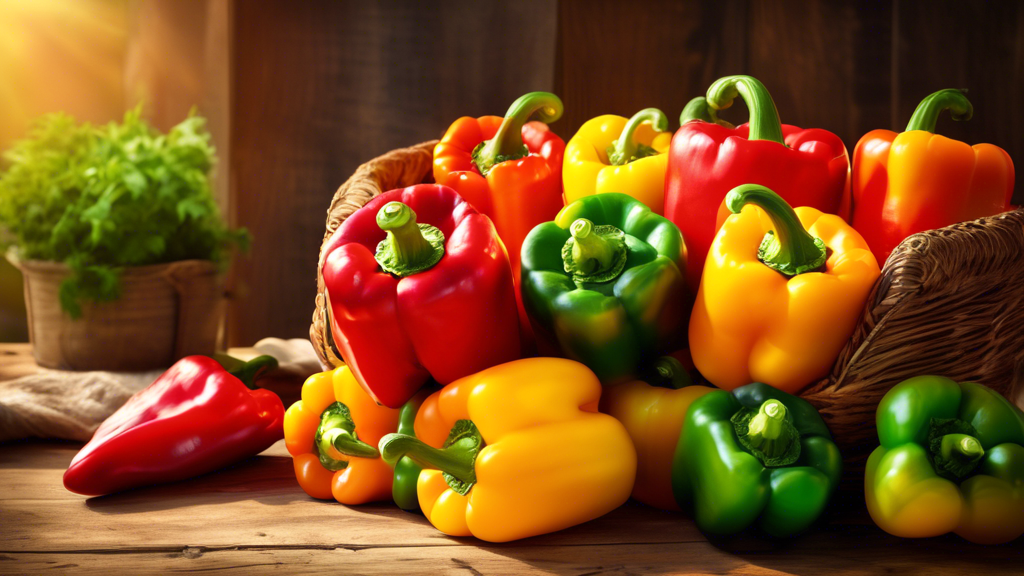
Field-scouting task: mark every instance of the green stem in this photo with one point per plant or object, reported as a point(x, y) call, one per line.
point(790, 249)
point(457, 459)
point(507, 143)
point(698, 109)
point(251, 371)
point(667, 372)
point(768, 433)
point(764, 118)
point(337, 432)
point(960, 454)
point(591, 252)
point(409, 247)
point(927, 113)
point(626, 149)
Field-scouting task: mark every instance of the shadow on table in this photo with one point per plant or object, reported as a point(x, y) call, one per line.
point(266, 479)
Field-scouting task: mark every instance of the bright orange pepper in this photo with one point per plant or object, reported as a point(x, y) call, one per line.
point(507, 168)
point(524, 449)
point(358, 475)
point(782, 291)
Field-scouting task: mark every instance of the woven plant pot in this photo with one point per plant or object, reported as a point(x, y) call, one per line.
point(165, 312)
point(948, 302)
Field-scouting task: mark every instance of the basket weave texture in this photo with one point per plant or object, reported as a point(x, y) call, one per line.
point(949, 302)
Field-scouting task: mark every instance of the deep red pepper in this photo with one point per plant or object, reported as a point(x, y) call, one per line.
point(437, 313)
point(195, 418)
point(706, 160)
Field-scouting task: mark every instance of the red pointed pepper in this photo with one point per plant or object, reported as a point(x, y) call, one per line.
point(195, 418)
point(437, 299)
point(707, 160)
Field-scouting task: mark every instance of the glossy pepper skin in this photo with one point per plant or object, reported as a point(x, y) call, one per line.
point(758, 456)
point(615, 154)
point(407, 471)
point(951, 460)
point(603, 284)
point(707, 159)
point(918, 180)
point(517, 450)
point(195, 418)
point(446, 308)
point(332, 434)
point(507, 168)
point(653, 411)
point(781, 293)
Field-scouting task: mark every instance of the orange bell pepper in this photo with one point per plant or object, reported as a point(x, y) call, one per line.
point(782, 291)
point(507, 168)
point(320, 432)
point(517, 450)
point(916, 181)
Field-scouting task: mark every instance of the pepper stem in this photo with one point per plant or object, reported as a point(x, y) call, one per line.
point(667, 372)
point(790, 249)
point(594, 253)
point(507, 143)
point(457, 459)
point(764, 117)
point(336, 439)
point(409, 247)
point(926, 115)
point(251, 371)
point(768, 434)
point(959, 454)
point(698, 109)
point(626, 149)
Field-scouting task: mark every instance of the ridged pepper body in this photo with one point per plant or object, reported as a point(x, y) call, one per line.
point(908, 491)
point(448, 321)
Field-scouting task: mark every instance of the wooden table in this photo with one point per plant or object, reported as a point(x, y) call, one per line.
point(253, 518)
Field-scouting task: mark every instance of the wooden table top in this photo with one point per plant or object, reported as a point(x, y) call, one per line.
point(254, 518)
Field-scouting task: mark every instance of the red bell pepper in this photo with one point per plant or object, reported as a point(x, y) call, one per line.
point(195, 418)
point(707, 160)
point(437, 299)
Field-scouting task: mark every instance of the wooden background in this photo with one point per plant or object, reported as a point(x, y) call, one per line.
point(300, 93)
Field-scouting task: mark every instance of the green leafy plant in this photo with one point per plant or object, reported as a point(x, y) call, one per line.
point(100, 198)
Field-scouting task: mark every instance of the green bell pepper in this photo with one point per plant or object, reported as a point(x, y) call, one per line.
point(407, 472)
point(602, 283)
point(756, 454)
point(951, 460)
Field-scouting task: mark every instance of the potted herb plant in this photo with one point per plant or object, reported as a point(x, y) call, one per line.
point(119, 240)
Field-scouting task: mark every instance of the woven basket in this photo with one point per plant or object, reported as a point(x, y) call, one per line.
point(949, 302)
point(165, 312)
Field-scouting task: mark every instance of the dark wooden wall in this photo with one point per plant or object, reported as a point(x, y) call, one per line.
point(320, 87)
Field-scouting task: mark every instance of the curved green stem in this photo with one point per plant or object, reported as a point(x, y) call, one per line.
point(507, 143)
point(790, 249)
point(667, 372)
point(251, 371)
point(409, 247)
point(926, 115)
point(337, 434)
point(959, 454)
point(768, 434)
point(698, 109)
point(764, 117)
point(594, 253)
point(625, 148)
point(457, 459)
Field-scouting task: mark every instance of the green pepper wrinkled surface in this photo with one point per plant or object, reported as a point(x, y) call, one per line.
point(951, 460)
point(602, 283)
point(729, 473)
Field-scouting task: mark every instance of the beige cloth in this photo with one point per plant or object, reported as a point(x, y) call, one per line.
point(71, 405)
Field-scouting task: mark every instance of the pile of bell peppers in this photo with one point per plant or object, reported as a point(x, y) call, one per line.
point(748, 251)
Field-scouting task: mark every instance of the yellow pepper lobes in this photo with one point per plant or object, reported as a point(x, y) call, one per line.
point(517, 450)
point(613, 154)
point(654, 417)
point(332, 433)
point(779, 297)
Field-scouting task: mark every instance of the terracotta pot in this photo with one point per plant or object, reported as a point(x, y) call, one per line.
point(166, 312)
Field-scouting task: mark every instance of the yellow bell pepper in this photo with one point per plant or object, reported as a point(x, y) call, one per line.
point(779, 296)
point(654, 417)
point(517, 450)
point(613, 154)
point(332, 433)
